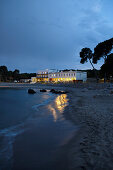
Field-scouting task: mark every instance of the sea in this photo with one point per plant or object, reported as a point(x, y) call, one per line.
point(33, 130)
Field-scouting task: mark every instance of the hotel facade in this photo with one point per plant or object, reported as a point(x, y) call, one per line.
point(59, 76)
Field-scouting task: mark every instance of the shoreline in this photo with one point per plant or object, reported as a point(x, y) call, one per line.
point(90, 107)
point(18, 141)
point(56, 162)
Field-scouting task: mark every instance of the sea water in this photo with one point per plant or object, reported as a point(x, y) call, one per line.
point(32, 129)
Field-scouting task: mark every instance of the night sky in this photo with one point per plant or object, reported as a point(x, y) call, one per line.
point(41, 34)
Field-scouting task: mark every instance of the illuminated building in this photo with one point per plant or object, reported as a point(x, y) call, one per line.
point(60, 76)
point(42, 76)
point(66, 76)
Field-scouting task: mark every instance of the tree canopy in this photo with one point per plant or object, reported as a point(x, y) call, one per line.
point(85, 55)
point(102, 50)
point(9, 76)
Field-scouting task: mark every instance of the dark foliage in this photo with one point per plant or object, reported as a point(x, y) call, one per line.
point(3, 73)
point(85, 55)
point(102, 50)
point(27, 75)
point(107, 67)
point(10, 76)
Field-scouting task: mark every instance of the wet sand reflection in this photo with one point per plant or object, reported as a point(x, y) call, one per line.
point(60, 103)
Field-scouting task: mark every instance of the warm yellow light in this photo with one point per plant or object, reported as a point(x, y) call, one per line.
point(61, 102)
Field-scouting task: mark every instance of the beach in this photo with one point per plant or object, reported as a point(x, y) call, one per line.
point(90, 109)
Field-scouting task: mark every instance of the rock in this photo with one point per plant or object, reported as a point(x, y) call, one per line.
point(111, 92)
point(43, 90)
point(62, 92)
point(58, 92)
point(53, 90)
point(31, 91)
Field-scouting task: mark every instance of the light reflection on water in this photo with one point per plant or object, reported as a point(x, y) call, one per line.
point(60, 103)
point(41, 133)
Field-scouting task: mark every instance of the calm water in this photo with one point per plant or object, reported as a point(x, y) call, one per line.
point(32, 130)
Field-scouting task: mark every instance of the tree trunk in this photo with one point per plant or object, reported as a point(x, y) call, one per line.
point(105, 72)
point(94, 71)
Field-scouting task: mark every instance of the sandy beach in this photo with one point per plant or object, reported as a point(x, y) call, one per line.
point(90, 107)
point(92, 147)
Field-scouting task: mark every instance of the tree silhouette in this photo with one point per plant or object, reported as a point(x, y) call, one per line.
point(108, 66)
point(102, 50)
point(16, 74)
point(10, 76)
point(3, 73)
point(85, 55)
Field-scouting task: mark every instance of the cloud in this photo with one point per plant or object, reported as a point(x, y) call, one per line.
point(50, 33)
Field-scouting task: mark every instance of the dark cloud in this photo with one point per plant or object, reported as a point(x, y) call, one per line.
point(50, 34)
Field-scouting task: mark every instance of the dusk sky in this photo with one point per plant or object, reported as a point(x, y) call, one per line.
point(41, 34)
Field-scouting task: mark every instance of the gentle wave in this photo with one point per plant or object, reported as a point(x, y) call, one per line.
point(7, 138)
point(36, 107)
point(6, 147)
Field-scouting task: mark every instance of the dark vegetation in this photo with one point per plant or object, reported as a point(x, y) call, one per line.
point(102, 51)
point(10, 76)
